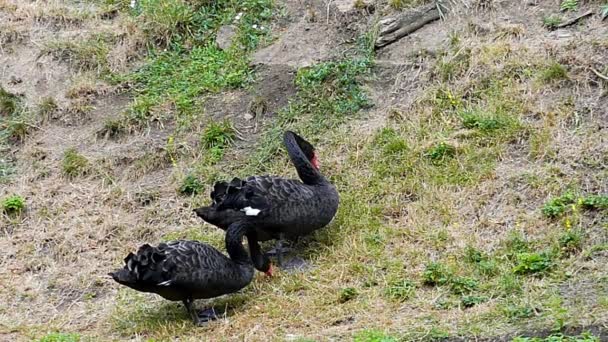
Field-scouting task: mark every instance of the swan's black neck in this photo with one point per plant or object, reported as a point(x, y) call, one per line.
point(234, 243)
point(308, 173)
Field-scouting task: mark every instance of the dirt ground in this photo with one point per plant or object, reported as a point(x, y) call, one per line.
point(56, 255)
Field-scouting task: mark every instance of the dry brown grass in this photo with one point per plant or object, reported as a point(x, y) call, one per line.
point(392, 221)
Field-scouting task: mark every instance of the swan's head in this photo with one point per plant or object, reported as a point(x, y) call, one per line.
point(307, 148)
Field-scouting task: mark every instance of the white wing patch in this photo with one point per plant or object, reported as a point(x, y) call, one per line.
point(164, 283)
point(249, 211)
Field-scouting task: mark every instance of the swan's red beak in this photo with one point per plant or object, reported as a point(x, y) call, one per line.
point(269, 272)
point(315, 162)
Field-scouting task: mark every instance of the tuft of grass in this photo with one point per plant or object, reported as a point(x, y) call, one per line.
point(585, 337)
point(13, 204)
point(571, 241)
point(553, 73)
point(569, 5)
point(47, 106)
point(373, 335)
point(191, 186)
point(463, 285)
point(551, 22)
point(482, 121)
point(401, 290)
point(60, 337)
point(568, 202)
point(403, 4)
point(218, 135)
point(470, 301)
point(595, 202)
point(557, 206)
point(530, 263)
point(87, 54)
point(347, 294)
point(9, 103)
point(74, 164)
point(436, 274)
point(440, 152)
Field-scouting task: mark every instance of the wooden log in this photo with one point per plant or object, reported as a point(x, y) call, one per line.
point(395, 28)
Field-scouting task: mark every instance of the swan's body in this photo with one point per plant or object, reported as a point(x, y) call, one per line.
point(189, 270)
point(276, 207)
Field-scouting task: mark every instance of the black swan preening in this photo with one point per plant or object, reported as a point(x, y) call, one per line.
point(276, 207)
point(189, 270)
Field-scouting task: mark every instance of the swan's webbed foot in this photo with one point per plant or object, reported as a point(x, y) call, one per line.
point(206, 315)
point(201, 317)
point(295, 264)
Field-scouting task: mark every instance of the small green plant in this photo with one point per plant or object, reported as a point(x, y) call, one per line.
point(435, 274)
point(569, 5)
point(585, 337)
point(191, 186)
point(551, 22)
point(47, 106)
point(373, 336)
point(440, 152)
point(13, 204)
point(347, 294)
point(557, 206)
point(595, 202)
point(470, 301)
point(517, 311)
point(480, 121)
point(218, 135)
point(74, 164)
point(463, 285)
point(553, 72)
point(401, 290)
point(571, 241)
point(529, 263)
point(60, 337)
point(9, 103)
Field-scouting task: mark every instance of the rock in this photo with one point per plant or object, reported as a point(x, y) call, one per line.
point(248, 116)
point(224, 37)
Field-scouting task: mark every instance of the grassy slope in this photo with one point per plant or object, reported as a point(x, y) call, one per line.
point(462, 215)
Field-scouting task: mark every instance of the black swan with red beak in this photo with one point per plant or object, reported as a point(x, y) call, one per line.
point(277, 208)
point(188, 270)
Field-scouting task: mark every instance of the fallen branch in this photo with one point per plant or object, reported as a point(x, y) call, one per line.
point(604, 77)
point(393, 29)
point(574, 20)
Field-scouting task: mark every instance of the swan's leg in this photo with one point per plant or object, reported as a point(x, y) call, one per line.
point(279, 251)
point(201, 317)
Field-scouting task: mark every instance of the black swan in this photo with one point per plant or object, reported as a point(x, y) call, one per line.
point(188, 270)
point(278, 208)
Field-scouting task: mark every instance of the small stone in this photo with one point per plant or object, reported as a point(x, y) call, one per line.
point(225, 35)
point(248, 116)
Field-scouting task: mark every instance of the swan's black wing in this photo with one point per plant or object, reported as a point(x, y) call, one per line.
point(258, 195)
point(180, 263)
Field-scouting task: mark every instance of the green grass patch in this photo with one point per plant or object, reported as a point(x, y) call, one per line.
point(553, 72)
point(569, 202)
point(401, 290)
point(60, 337)
point(87, 54)
point(531, 263)
point(192, 64)
point(373, 335)
point(74, 164)
point(436, 274)
point(551, 22)
point(585, 337)
point(347, 294)
point(191, 185)
point(13, 204)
